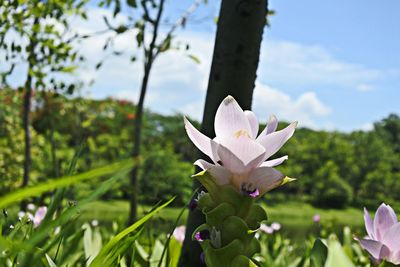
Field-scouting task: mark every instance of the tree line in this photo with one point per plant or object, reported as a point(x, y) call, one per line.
point(333, 169)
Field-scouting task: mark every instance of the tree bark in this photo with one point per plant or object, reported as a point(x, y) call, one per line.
point(136, 145)
point(233, 72)
point(150, 55)
point(26, 111)
point(27, 134)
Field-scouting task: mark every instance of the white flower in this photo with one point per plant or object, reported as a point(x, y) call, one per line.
point(240, 156)
point(276, 226)
point(30, 206)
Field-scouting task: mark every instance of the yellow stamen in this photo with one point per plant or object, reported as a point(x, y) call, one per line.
point(241, 133)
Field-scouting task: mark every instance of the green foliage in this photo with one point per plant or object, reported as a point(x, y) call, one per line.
point(41, 41)
point(325, 164)
point(231, 221)
point(60, 240)
point(336, 254)
point(319, 253)
point(111, 251)
point(278, 251)
point(163, 175)
point(329, 189)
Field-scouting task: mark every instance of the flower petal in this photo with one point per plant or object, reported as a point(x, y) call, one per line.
point(375, 248)
point(39, 215)
point(220, 174)
point(392, 238)
point(395, 257)
point(255, 162)
point(271, 126)
point(230, 119)
point(265, 179)
point(274, 162)
point(253, 123)
point(240, 154)
point(369, 226)
point(202, 142)
point(204, 165)
point(274, 141)
point(383, 221)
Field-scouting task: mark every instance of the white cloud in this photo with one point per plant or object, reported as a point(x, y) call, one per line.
point(178, 84)
point(305, 108)
point(293, 64)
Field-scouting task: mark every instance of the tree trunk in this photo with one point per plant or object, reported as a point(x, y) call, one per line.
point(136, 145)
point(150, 55)
point(233, 72)
point(25, 125)
point(27, 109)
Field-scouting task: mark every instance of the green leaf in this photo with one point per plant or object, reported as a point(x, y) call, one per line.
point(319, 253)
point(103, 256)
point(132, 3)
point(91, 242)
point(336, 255)
point(68, 69)
point(194, 58)
point(174, 251)
point(207, 181)
point(62, 182)
point(386, 264)
point(50, 261)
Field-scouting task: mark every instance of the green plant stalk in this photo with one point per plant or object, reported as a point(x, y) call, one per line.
point(231, 219)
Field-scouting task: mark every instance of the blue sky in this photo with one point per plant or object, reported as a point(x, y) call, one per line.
point(328, 64)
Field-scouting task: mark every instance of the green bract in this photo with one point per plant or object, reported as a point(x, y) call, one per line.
point(234, 217)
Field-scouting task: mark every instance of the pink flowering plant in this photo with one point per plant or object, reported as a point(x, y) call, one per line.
point(238, 174)
point(383, 240)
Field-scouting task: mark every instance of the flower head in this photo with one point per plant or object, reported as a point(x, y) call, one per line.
point(30, 206)
point(383, 241)
point(276, 226)
point(316, 218)
point(238, 154)
point(39, 216)
point(266, 229)
point(179, 233)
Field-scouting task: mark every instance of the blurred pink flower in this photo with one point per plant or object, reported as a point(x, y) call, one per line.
point(179, 233)
point(383, 241)
point(266, 229)
point(316, 218)
point(276, 226)
point(39, 216)
point(239, 156)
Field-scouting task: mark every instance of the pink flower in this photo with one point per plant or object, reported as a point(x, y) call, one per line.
point(383, 241)
point(239, 156)
point(266, 229)
point(276, 226)
point(316, 218)
point(39, 216)
point(179, 233)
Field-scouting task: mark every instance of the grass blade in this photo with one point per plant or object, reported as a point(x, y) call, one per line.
point(104, 253)
point(62, 182)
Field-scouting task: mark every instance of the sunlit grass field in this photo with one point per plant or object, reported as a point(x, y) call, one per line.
point(295, 217)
